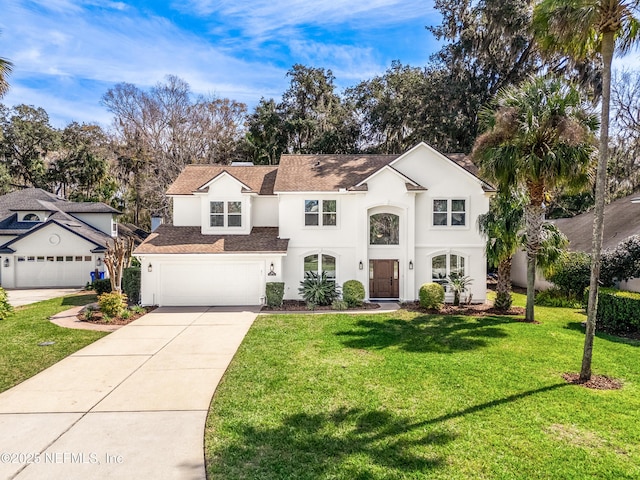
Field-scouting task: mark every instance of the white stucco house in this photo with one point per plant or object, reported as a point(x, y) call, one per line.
point(392, 222)
point(46, 241)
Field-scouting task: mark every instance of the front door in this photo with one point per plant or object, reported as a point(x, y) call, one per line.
point(383, 279)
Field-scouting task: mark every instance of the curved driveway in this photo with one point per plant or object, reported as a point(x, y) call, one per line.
point(131, 405)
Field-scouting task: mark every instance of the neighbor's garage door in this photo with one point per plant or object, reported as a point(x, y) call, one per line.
point(211, 284)
point(53, 271)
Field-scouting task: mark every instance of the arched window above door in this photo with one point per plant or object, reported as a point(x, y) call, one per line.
point(384, 229)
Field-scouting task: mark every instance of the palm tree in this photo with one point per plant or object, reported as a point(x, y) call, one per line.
point(5, 69)
point(581, 29)
point(539, 136)
point(502, 225)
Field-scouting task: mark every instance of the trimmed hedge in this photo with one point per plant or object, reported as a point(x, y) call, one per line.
point(102, 285)
point(431, 295)
point(275, 294)
point(618, 311)
point(353, 293)
point(131, 284)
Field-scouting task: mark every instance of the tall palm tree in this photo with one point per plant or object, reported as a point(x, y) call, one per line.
point(582, 29)
point(5, 69)
point(502, 226)
point(539, 136)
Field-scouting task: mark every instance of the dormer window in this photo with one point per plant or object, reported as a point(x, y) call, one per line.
point(31, 217)
point(225, 214)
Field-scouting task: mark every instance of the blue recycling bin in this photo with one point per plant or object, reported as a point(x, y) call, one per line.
point(93, 276)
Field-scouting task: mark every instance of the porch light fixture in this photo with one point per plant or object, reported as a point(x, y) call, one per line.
point(98, 261)
point(360, 265)
point(410, 264)
point(271, 273)
point(6, 262)
point(150, 268)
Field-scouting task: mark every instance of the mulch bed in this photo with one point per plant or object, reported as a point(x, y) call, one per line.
point(98, 319)
point(597, 382)
point(473, 310)
point(300, 306)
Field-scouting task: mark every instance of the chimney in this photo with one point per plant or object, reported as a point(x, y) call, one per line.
point(156, 222)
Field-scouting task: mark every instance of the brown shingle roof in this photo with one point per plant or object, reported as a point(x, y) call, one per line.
point(321, 173)
point(168, 239)
point(259, 178)
point(621, 220)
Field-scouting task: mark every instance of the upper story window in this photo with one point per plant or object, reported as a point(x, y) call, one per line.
point(450, 212)
point(384, 229)
point(31, 217)
point(320, 213)
point(225, 214)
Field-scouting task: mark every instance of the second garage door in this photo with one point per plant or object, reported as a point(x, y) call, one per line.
point(211, 283)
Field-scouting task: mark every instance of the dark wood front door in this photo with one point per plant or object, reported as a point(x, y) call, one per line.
point(383, 279)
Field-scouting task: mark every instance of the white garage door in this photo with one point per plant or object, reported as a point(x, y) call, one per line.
point(211, 284)
point(53, 271)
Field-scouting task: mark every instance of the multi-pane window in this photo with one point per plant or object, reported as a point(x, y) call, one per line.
point(442, 266)
point(450, 212)
point(321, 263)
point(384, 229)
point(225, 214)
point(320, 212)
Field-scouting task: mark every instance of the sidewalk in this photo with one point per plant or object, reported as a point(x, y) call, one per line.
point(131, 405)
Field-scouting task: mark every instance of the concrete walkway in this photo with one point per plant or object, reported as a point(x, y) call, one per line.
point(24, 296)
point(131, 405)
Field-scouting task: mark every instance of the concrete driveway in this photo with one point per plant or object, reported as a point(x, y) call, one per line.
point(24, 296)
point(131, 405)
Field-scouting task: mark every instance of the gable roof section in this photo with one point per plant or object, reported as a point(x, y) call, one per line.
point(40, 200)
point(621, 220)
point(259, 178)
point(410, 184)
point(168, 239)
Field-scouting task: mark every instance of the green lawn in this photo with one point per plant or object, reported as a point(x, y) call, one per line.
point(406, 395)
point(20, 334)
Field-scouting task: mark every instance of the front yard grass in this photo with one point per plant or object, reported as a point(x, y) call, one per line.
point(20, 355)
point(408, 395)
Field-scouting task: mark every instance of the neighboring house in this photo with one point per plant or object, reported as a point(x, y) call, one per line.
point(46, 241)
point(621, 220)
point(392, 222)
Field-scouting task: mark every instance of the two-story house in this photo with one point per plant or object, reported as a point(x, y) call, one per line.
point(46, 241)
point(392, 222)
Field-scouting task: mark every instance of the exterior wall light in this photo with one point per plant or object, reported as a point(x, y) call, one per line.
point(6, 262)
point(410, 264)
point(271, 273)
point(150, 268)
point(360, 265)
point(98, 261)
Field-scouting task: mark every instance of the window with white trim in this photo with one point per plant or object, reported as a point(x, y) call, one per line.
point(450, 212)
point(225, 214)
point(318, 263)
point(384, 229)
point(320, 213)
point(442, 266)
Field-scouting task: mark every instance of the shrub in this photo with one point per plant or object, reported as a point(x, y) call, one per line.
point(353, 293)
point(618, 311)
point(112, 304)
point(318, 289)
point(622, 262)
point(431, 295)
point(275, 294)
point(5, 306)
point(554, 297)
point(571, 274)
point(131, 284)
point(137, 309)
point(458, 284)
point(339, 305)
point(102, 285)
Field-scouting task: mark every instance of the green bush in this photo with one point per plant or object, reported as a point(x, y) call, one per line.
point(275, 294)
point(571, 274)
point(431, 295)
point(5, 306)
point(339, 305)
point(618, 311)
point(102, 285)
point(131, 284)
point(353, 293)
point(318, 289)
point(554, 297)
point(112, 304)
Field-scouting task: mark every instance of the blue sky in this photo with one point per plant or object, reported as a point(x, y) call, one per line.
point(68, 53)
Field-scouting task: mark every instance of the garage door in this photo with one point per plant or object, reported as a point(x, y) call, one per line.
point(53, 271)
point(211, 284)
